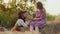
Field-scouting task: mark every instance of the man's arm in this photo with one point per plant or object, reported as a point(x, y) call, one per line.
point(15, 27)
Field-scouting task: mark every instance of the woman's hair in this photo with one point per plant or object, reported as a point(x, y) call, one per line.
point(20, 14)
point(39, 5)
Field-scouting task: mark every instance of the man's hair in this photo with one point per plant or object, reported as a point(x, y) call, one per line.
point(20, 13)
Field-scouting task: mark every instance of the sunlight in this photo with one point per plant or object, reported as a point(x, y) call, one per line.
point(28, 4)
point(52, 7)
point(5, 1)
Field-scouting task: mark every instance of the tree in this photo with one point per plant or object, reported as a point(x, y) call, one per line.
point(0, 1)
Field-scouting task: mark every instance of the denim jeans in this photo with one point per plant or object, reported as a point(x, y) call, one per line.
point(22, 23)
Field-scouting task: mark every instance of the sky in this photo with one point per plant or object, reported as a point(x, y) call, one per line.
point(52, 6)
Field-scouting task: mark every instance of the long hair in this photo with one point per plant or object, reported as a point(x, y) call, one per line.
point(39, 5)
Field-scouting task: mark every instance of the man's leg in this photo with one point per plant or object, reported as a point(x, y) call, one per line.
point(22, 23)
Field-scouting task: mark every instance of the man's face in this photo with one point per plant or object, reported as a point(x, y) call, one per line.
point(25, 14)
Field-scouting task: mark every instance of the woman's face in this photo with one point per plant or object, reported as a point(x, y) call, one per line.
point(36, 8)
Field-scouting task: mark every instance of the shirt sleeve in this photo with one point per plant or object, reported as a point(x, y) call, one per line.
point(21, 23)
point(43, 15)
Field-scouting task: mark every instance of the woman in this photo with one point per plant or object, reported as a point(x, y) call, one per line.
point(40, 19)
point(21, 20)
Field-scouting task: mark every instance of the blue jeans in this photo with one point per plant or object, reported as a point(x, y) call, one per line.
point(22, 23)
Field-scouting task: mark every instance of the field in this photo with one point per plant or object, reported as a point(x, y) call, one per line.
point(52, 27)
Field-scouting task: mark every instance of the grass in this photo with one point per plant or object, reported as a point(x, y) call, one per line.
point(26, 32)
point(51, 28)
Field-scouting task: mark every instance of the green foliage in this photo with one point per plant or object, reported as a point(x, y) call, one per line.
point(8, 18)
point(49, 17)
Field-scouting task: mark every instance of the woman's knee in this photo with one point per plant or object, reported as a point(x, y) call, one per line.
point(36, 25)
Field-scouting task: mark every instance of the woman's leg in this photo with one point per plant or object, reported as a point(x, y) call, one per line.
point(31, 28)
point(36, 28)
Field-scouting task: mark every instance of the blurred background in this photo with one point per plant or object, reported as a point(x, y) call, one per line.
point(9, 11)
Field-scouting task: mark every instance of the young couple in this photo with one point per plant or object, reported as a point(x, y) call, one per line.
point(39, 21)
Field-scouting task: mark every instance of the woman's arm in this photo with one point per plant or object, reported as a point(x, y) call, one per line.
point(43, 16)
point(37, 18)
point(34, 19)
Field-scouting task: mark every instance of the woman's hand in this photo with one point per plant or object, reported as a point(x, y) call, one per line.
point(36, 19)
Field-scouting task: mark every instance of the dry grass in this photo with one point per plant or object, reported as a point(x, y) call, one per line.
point(27, 32)
point(51, 28)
